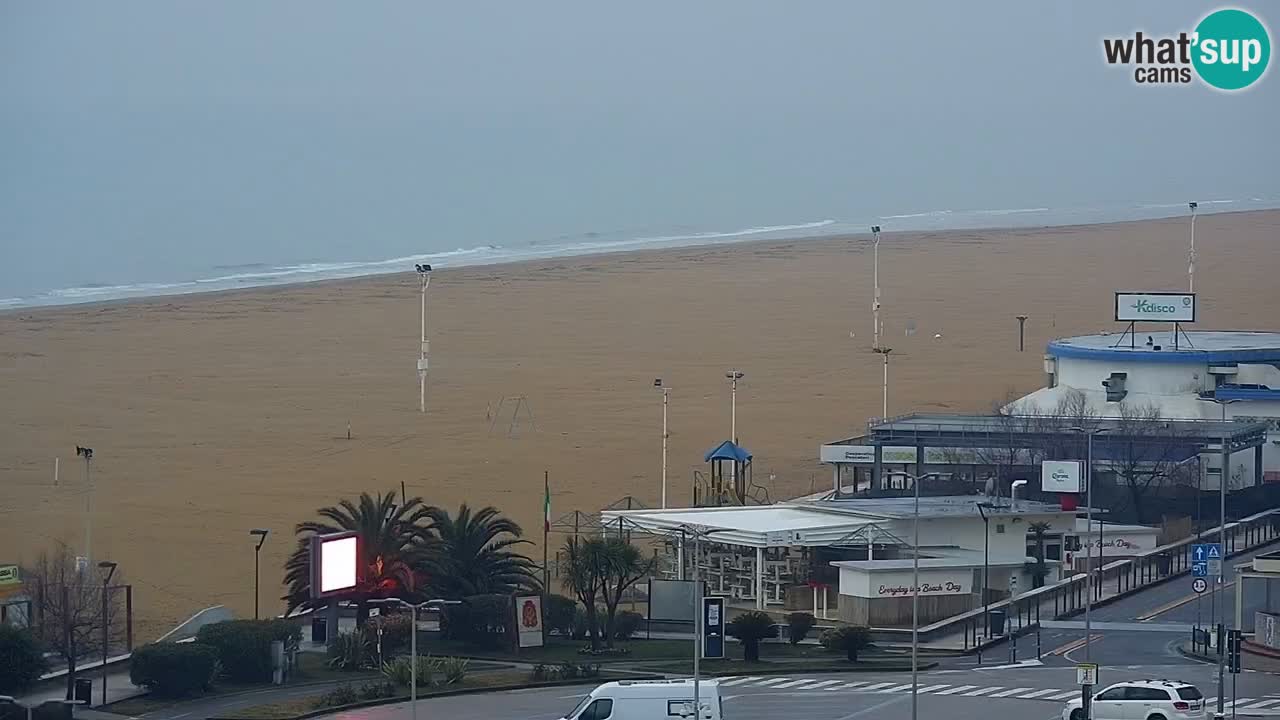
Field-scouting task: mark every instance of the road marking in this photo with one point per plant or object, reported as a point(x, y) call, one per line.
point(1007, 693)
point(897, 688)
point(740, 681)
point(1073, 645)
point(931, 688)
point(1038, 693)
point(824, 683)
point(873, 708)
point(1063, 695)
point(846, 686)
point(1175, 604)
point(878, 686)
point(770, 681)
point(956, 689)
point(983, 691)
point(1263, 704)
point(793, 683)
point(1239, 701)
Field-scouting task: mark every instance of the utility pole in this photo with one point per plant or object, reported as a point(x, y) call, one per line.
point(884, 390)
point(666, 399)
point(424, 348)
point(875, 302)
point(87, 454)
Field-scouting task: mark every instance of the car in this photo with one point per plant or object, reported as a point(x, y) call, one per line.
point(649, 699)
point(1143, 700)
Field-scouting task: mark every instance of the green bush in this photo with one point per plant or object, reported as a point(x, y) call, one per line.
point(396, 632)
point(400, 672)
point(750, 628)
point(173, 669)
point(21, 662)
point(848, 639)
point(581, 631)
point(558, 615)
point(799, 624)
point(626, 624)
point(377, 690)
point(350, 651)
point(337, 697)
point(482, 620)
point(453, 669)
point(244, 646)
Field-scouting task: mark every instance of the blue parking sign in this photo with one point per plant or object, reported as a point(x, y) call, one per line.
point(1200, 569)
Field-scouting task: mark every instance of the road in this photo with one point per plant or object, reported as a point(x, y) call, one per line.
point(1027, 693)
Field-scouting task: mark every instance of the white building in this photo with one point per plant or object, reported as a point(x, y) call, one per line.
point(1198, 375)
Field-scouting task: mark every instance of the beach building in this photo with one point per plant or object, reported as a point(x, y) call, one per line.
point(15, 601)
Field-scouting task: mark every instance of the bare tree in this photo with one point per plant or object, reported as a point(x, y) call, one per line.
point(69, 609)
point(1150, 454)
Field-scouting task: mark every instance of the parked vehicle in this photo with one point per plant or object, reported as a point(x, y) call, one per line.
point(1143, 700)
point(649, 700)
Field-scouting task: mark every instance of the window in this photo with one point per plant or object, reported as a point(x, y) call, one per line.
point(1116, 693)
point(598, 710)
point(1189, 693)
point(1147, 694)
point(679, 708)
point(1053, 552)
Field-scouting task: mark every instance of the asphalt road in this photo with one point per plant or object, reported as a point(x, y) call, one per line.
point(970, 694)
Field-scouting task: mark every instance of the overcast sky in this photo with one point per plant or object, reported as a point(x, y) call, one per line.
point(139, 139)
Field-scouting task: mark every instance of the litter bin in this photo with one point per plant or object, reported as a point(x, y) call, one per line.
point(996, 618)
point(319, 630)
point(84, 690)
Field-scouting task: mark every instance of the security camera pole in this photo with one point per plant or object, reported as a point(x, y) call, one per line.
point(1191, 255)
point(424, 275)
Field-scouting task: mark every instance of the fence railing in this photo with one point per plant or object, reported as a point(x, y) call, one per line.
point(1067, 597)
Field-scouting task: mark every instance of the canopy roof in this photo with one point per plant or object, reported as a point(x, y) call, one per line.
point(727, 450)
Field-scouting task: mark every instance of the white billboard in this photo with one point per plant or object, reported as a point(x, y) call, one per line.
point(1062, 476)
point(1155, 307)
point(335, 563)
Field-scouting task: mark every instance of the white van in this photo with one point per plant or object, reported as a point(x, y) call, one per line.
point(649, 700)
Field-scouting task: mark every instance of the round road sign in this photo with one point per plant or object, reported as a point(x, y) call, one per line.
point(1199, 585)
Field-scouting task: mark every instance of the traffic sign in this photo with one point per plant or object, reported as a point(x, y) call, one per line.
point(1199, 585)
point(1206, 551)
point(1086, 674)
point(1233, 650)
point(1199, 569)
point(1215, 567)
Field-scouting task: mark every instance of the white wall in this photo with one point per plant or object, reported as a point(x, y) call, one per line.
point(966, 532)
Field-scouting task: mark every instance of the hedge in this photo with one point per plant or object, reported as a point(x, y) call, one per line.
point(173, 669)
point(21, 662)
point(244, 646)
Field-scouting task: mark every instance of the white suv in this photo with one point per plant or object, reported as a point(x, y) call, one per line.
point(1143, 700)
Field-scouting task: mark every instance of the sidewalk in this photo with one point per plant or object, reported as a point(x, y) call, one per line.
point(118, 688)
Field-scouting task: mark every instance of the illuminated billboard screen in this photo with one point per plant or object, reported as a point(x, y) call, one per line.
point(334, 563)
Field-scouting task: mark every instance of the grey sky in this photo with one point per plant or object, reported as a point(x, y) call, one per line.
point(151, 140)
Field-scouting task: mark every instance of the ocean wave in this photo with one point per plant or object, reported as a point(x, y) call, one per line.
point(760, 230)
point(1012, 211)
point(931, 213)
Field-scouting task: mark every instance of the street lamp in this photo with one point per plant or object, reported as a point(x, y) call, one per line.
point(424, 277)
point(915, 585)
point(698, 532)
point(734, 376)
point(986, 565)
point(884, 390)
point(1088, 513)
point(262, 538)
point(110, 567)
point(875, 302)
point(413, 639)
point(1222, 540)
point(666, 399)
point(87, 454)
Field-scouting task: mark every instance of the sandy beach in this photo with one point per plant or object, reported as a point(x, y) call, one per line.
point(214, 414)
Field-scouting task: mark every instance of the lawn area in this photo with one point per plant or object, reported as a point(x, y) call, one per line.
point(559, 650)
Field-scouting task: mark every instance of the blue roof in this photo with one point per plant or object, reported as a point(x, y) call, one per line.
point(728, 451)
point(1213, 347)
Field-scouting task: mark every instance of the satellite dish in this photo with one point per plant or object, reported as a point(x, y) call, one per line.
point(937, 336)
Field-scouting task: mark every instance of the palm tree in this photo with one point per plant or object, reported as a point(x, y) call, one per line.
point(583, 575)
point(394, 555)
point(476, 555)
point(623, 565)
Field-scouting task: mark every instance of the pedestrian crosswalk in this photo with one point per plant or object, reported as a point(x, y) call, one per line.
point(794, 684)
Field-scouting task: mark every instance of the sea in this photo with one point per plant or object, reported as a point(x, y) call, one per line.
point(251, 273)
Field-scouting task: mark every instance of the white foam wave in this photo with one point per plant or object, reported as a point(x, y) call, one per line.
point(760, 230)
point(1012, 211)
point(931, 213)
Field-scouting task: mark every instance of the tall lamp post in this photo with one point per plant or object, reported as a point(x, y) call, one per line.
point(1223, 478)
point(1191, 254)
point(983, 507)
point(666, 400)
point(734, 376)
point(257, 550)
point(413, 639)
point(698, 533)
point(424, 348)
point(110, 567)
point(884, 388)
point(1088, 513)
point(875, 302)
point(87, 454)
point(915, 585)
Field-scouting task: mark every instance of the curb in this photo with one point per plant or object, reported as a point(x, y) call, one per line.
point(804, 671)
point(319, 712)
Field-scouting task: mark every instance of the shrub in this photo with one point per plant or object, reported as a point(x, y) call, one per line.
point(799, 624)
point(559, 614)
point(482, 620)
point(626, 624)
point(244, 646)
point(400, 672)
point(589, 670)
point(376, 690)
point(21, 662)
point(581, 630)
point(453, 669)
point(396, 631)
point(750, 628)
point(541, 672)
point(567, 671)
point(173, 669)
point(341, 695)
point(350, 651)
point(848, 639)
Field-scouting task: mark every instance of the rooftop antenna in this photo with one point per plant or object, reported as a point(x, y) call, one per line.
point(1191, 254)
point(875, 302)
point(424, 276)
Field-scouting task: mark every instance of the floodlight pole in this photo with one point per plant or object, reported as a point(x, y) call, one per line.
point(424, 276)
point(734, 376)
point(110, 567)
point(87, 454)
point(875, 302)
point(666, 399)
point(884, 389)
point(1191, 254)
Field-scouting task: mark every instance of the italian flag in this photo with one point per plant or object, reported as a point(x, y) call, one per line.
point(546, 503)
